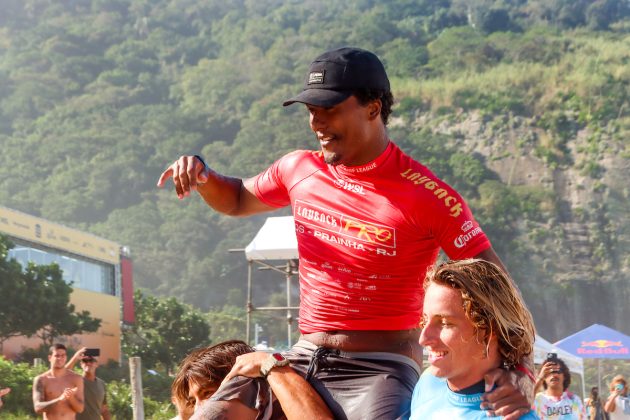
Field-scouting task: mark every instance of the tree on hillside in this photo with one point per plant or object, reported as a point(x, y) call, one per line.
point(36, 301)
point(164, 332)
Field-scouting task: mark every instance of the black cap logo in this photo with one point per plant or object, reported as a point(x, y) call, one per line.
point(315, 77)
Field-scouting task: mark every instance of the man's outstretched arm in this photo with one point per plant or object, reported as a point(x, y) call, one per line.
point(227, 195)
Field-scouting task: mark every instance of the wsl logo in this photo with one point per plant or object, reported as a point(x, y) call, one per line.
point(462, 240)
point(348, 186)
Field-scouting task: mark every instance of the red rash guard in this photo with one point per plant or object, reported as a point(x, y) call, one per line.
point(367, 235)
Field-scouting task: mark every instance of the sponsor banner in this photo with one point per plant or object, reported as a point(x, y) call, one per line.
point(346, 229)
point(583, 351)
point(40, 231)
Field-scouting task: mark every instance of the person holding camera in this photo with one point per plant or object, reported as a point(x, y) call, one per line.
point(94, 390)
point(556, 402)
point(618, 403)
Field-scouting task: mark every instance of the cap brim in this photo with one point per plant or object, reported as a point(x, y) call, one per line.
point(319, 97)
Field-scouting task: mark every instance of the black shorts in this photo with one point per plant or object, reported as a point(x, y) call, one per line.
point(354, 385)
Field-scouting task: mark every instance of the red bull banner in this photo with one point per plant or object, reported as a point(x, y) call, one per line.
point(597, 342)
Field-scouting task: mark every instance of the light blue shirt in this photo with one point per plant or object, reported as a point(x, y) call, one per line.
point(433, 400)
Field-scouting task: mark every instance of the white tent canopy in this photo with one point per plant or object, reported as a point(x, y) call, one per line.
point(275, 240)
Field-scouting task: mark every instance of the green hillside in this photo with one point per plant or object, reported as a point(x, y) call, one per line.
point(523, 106)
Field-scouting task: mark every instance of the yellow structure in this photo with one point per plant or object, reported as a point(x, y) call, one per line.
point(92, 264)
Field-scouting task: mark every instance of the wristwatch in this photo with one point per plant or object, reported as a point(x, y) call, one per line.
point(274, 360)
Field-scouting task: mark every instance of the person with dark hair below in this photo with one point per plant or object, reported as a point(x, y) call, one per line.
point(473, 320)
point(94, 389)
point(555, 402)
point(618, 404)
point(201, 373)
point(58, 392)
point(594, 406)
point(369, 221)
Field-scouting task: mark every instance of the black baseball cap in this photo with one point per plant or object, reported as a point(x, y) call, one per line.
point(334, 75)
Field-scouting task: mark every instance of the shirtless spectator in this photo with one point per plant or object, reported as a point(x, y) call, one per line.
point(58, 392)
point(3, 392)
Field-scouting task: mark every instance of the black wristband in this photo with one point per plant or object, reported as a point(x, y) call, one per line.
point(201, 160)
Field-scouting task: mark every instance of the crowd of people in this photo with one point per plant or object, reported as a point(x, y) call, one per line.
point(370, 222)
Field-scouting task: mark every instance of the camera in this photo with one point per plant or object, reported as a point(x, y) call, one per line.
point(92, 352)
point(552, 357)
point(619, 387)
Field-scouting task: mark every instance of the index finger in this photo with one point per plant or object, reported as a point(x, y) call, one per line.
point(491, 379)
point(165, 175)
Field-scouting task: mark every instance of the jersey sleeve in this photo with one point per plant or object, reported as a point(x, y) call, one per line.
point(270, 186)
point(452, 223)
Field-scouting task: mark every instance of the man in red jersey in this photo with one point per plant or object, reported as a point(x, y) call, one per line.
point(369, 221)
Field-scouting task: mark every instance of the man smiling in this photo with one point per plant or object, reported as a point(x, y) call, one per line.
point(369, 222)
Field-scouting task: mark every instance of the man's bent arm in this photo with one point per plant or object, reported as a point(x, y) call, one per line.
point(491, 256)
point(224, 410)
point(296, 396)
point(76, 400)
point(232, 196)
point(75, 358)
point(39, 405)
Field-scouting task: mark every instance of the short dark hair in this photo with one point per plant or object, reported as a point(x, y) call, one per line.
point(56, 346)
point(564, 369)
point(387, 100)
point(206, 366)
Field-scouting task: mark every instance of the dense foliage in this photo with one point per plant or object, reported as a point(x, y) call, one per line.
point(164, 332)
point(18, 404)
point(521, 105)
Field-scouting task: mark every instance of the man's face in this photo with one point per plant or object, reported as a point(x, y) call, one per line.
point(89, 366)
point(555, 380)
point(456, 349)
point(198, 394)
point(57, 359)
point(343, 131)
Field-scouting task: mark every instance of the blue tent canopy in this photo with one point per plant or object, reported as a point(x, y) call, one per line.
point(597, 342)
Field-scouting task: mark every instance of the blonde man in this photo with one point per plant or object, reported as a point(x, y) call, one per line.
point(474, 320)
point(618, 403)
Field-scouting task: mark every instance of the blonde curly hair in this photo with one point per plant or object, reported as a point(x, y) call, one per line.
point(492, 303)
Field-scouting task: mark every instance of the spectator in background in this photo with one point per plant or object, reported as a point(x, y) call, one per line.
point(58, 392)
point(555, 402)
point(594, 406)
point(94, 390)
point(3, 392)
point(618, 403)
